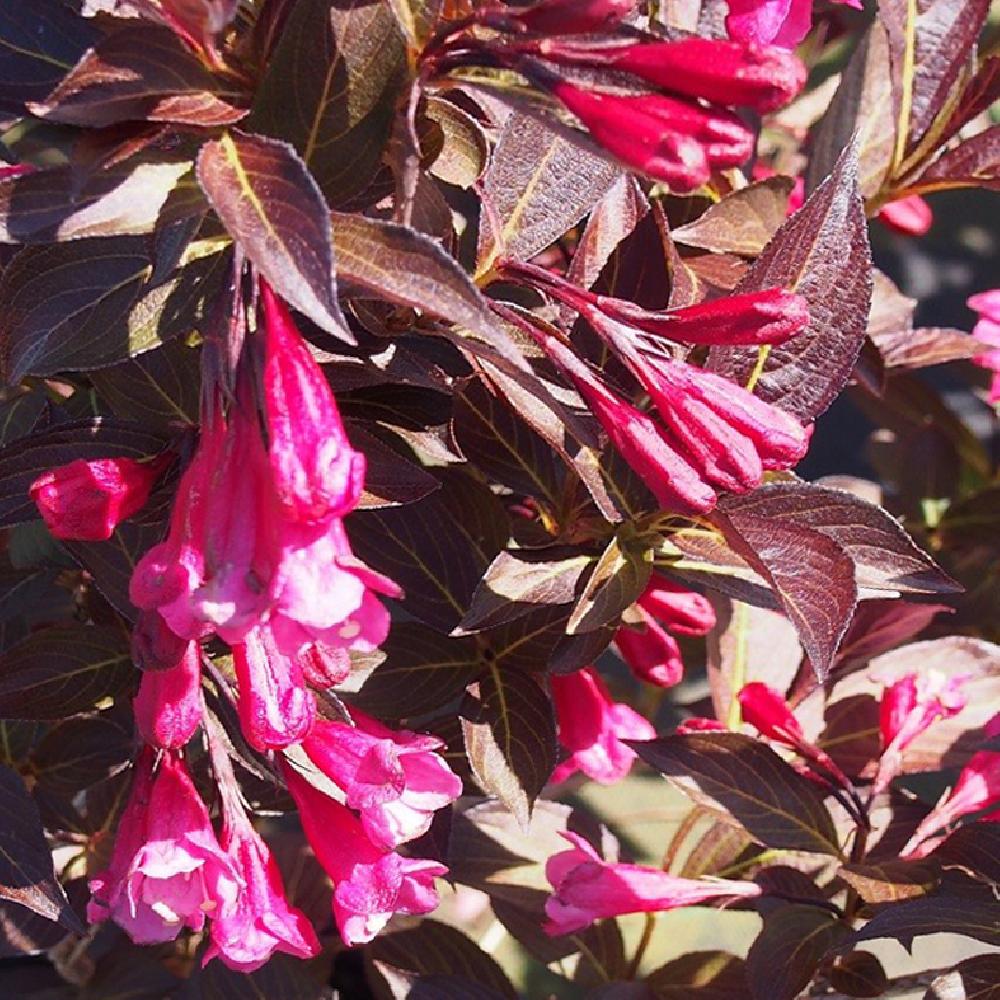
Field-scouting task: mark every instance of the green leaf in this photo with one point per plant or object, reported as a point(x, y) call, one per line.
point(271, 206)
point(785, 955)
point(64, 670)
point(746, 783)
point(511, 740)
point(422, 672)
point(140, 72)
point(26, 875)
point(90, 304)
point(39, 43)
point(822, 253)
point(22, 461)
point(436, 549)
point(330, 90)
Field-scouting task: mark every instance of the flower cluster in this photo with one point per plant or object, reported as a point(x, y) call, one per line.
point(256, 554)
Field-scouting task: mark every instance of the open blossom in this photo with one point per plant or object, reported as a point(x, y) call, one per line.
point(587, 888)
point(370, 884)
point(987, 304)
point(773, 22)
point(650, 650)
point(87, 499)
point(591, 727)
point(168, 706)
point(167, 869)
point(395, 779)
point(275, 707)
point(909, 706)
point(976, 790)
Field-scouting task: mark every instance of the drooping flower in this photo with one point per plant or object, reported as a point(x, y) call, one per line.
point(976, 790)
point(650, 650)
point(911, 216)
point(909, 706)
point(275, 707)
point(370, 885)
point(88, 498)
point(587, 888)
point(168, 706)
point(316, 473)
point(987, 304)
point(773, 22)
point(395, 779)
point(167, 869)
point(591, 727)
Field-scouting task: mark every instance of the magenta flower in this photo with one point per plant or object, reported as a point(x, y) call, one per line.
point(168, 706)
point(587, 888)
point(977, 789)
point(591, 727)
point(909, 706)
point(370, 885)
point(911, 216)
point(167, 870)
point(987, 304)
point(87, 499)
point(275, 707)
point(650, 650)
point(262, 921)
point(316, 473)
point(773, 22)
point(325, 666)
point(395, 780)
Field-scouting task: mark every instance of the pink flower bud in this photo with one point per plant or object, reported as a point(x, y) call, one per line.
point(987, 304)
point(679, 609)
point(325, 666)
point(587, 888)
point(566, 17)
point(316, 473)
point(168, 706)
point(591, 727)
point(669, 139)
point(262, 922)
point(726, 73)
point(778, 22)
point(167, 870)
point(911, 216)
point(275, 707)
point(155, 646)
point(768, 712)
point(87, 499)
point(370, 885)
point(395, 779)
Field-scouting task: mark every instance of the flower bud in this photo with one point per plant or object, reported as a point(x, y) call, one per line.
point(168, 706)
point(911, 216)
point(87, 499)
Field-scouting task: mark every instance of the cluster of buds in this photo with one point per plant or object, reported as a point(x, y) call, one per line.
point(650, 650)
point(672, 120)
point(712, 434)
point(256, 554)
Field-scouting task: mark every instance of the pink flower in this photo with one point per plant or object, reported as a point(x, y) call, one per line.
point(987, 304)
point(325, 666)
point(776, 22)
point(588, 888)
point(370, 885)
point(977, 789)
point(316, 473)
point(275, 707)
point(909, 706)
point(87, 499)
point(700, 724)
point(651, 651)
point(262, 921)
point(571, 16)
point(911, 216)
point(591, 727)
point(766, 710)
point(394, 779)
point(167, 870)
point(168, 706)
point(726, 73)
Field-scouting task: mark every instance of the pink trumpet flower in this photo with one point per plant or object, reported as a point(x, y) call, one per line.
point(168, 707)
point(773, 22)
point(987, 330)
point(587, 888)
